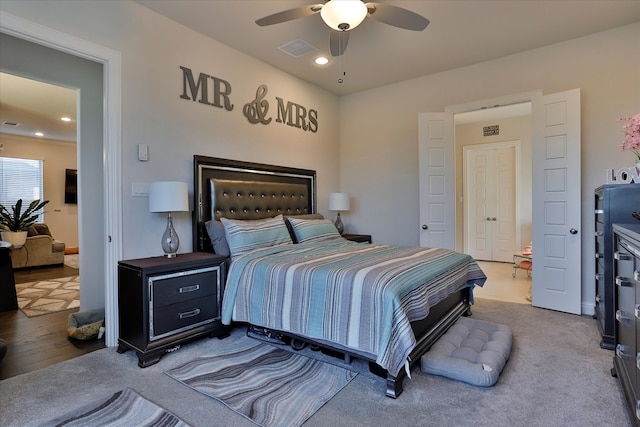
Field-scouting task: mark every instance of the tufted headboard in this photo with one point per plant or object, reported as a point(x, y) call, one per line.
point(243, 190)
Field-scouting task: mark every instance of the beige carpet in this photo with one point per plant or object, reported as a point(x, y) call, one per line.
point(48, 296)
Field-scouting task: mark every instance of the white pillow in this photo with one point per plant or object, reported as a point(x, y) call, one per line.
point(245, 236)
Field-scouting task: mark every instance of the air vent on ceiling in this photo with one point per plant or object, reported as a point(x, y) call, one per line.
point(297, 48)
point(7, 123)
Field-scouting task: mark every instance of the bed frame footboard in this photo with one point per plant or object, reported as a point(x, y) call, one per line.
point(442, 323)
point(427, 332)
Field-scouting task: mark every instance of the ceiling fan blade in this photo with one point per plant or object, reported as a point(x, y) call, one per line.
point(396, 16)
point(289, 15)
point(338, 42)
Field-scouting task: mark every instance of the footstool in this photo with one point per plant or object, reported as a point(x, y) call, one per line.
point(472, 351)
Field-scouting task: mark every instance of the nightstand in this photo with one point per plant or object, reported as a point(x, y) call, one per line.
point(361, 238)
point(163, 302)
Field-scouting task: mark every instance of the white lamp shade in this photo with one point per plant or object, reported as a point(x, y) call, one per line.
point(168, 196)
point(337, 13)
point(339, 202)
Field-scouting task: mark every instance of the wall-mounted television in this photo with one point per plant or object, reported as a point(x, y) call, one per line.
point(71, 186)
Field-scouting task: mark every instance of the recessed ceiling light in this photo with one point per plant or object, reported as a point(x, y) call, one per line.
point(39, 134)
point(65, 119)
point(321, 60)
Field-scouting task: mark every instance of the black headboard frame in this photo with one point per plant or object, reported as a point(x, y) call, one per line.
point(244, 190)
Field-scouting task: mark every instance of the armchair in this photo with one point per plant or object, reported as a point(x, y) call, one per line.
point(39, 249)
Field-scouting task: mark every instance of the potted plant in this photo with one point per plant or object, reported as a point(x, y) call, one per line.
point(18, 222)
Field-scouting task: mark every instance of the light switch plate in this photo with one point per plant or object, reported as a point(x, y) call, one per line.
point(139, 189)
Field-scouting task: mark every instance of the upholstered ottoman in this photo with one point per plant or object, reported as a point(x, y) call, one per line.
point(473, 351)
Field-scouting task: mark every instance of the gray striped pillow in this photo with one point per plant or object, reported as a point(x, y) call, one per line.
point(245, 236)
point(313, 230)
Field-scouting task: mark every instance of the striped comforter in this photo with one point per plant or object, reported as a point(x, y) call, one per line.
point(360, 296)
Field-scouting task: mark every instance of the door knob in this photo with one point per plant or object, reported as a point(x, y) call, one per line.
point(425, 226)
point(573, 231)
point(493, 219)
point(488, 219)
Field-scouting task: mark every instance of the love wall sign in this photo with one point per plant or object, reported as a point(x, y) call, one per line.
point(623, 176)
point(216, 92)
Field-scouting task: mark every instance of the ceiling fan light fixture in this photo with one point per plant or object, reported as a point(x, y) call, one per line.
point(343, 15)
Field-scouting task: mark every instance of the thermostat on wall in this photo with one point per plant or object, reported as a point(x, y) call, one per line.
point(143, 152)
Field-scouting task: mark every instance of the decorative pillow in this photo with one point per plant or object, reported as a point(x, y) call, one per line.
point(38, 229)
point(215, 230)
point(314, 230)
point(245, 236)
point(303, 216)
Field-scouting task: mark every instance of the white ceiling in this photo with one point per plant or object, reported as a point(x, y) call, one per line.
point(36, 107)
point(461, 32)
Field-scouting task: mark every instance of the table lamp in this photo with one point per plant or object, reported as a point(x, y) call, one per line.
point(169, 196)
point(339, 202)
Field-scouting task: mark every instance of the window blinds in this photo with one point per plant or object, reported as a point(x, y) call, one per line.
point(20, 179)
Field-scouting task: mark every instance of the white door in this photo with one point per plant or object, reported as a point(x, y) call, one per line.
point(490, 201)
point(556, 202)
point(479, 194)
point(437, 180)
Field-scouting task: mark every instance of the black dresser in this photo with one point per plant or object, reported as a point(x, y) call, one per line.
point(8, 299)
point(627, 277)
point(614, 203)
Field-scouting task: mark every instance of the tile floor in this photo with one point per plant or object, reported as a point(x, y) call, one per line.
point(501, 285)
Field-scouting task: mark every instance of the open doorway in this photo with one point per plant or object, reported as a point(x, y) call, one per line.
point(555, 164)
point(97, 71)
point(24, 58)
point(38, 125)
point(493, 195)
point(55, 58)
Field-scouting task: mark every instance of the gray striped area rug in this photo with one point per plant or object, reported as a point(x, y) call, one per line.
point(124, 408)
point(268, 385)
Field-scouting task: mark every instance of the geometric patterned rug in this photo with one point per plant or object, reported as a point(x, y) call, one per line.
point(48, 296)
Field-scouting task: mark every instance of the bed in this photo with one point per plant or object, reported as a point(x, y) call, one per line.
point(290, 273)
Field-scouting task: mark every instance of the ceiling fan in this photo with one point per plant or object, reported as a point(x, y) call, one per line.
point(344, 15)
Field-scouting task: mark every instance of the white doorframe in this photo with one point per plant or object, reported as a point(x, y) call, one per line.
point(466, 195)
point(112, 176)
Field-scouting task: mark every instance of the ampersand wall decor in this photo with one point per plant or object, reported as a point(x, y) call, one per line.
point(256, 110)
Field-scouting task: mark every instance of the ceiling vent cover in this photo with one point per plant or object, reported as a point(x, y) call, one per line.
point(297, 48)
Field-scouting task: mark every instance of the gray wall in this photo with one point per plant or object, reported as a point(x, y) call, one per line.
point(379, 128)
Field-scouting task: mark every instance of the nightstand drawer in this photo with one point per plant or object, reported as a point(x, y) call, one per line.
point(172, 319)
point(183, 286)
